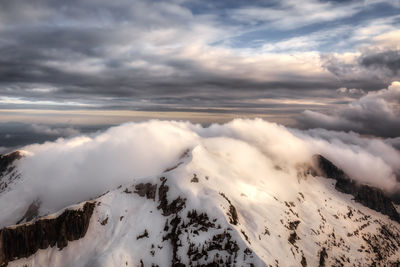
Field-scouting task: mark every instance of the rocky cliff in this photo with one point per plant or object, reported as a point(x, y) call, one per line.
point(371, 197)
point(26, 239)
point(8, 172)
point(7, 160)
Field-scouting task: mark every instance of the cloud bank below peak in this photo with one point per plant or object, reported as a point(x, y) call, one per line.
point(85, 166)
point(376, 113)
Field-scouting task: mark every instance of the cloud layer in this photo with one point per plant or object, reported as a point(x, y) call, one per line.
point(173, 55)
point(75, 169)
point(375, 113)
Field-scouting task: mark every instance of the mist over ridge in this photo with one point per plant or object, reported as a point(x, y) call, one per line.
point(84, 167)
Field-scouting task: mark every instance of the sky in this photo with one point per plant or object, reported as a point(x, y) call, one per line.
point(68, 67)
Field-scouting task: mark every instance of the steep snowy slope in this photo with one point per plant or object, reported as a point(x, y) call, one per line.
point(220, 196)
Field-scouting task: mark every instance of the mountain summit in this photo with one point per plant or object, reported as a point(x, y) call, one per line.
point(212, 196)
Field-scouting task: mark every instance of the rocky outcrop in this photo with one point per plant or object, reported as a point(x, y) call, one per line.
point(7, 160)
point(148, 190)
point(371, 197)
point(24, 240)
point(217, 245)
point(8, 171)
point(169, 208)
point(232, 213)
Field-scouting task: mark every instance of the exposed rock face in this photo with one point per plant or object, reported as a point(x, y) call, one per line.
point(8, 172)
point(232, 214)
point(169, 208)
point(218, 247)
point(7, 160)
point(24, 240)
point(375, 199)
point(369, 196)
point(147, 190)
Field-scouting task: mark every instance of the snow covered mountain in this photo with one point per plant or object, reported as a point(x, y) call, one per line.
point(247, 193)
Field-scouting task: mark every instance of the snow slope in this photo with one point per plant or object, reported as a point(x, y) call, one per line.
point(230, 195)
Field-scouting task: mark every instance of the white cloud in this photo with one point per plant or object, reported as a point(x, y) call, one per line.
point(72, 170)
point(291, 14)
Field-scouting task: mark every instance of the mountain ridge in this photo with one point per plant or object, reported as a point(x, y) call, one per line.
point(225, 236)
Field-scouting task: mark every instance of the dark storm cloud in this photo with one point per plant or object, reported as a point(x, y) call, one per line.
point(368, 72)
point(387, 60)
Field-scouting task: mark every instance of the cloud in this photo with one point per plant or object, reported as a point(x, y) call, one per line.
point(350, 92)
point(376, 61)
point(151, 55)
point(74, 169)
point(289, 14)
point(376, 113)
point(60, 132)
point(4, 150)
point(17, 134)
point(395, 142)
point(387, 60)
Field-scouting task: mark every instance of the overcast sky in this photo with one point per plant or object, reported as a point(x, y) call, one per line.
point(330, 64)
